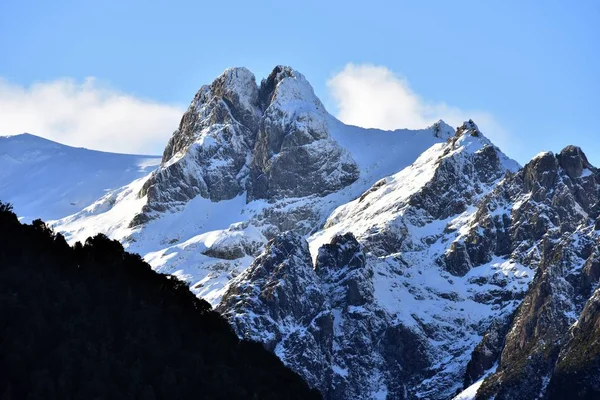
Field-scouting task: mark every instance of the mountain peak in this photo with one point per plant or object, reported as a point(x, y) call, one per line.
point(282, 71)
point(287, 89)
point(268, 84)
point(442, 130)
point(468, 128)
point(470, 137)
point(240, 83)
point(573, 160)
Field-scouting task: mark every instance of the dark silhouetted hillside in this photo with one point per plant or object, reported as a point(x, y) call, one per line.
point(95, 322)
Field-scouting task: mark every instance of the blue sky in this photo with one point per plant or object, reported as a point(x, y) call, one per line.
point(529, 69)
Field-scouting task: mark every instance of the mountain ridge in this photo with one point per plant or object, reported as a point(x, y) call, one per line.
point(408, 265)
point(46, 179)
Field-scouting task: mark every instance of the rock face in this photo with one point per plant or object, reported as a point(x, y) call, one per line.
point(487, 351)
point(273, 140)
point(577, 371)
point(322, 321)
point(543, 216)
point(278, 293)
point(209, 154)
point(294, 155)
point(540, 201)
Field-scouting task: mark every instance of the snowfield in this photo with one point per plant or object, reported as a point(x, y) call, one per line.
point(48, 180)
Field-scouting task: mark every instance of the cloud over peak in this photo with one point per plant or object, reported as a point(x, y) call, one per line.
point(373, 96)
point(89, 114)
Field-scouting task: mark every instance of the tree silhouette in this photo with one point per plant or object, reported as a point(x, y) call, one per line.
point(95, 322)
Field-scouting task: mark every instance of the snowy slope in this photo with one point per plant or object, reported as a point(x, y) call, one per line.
point(175, 242)
point(48, 180)
point(409, 254)
point(179, 239)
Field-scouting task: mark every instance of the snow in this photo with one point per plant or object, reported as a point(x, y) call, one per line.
point(339, 370)
point(241, 81)
point(381, 206)
point(471, 392)
point(542, 154)
point(48, 180)
point(381, 153)
point(173, 243)
point(423, 295)
point(586, 172)
point(417, 291)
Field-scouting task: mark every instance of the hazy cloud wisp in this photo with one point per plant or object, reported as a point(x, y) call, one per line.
point(374, 97)
point(87, 114)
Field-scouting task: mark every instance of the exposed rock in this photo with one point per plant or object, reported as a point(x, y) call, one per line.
point(488, 351)
point(539, 201)
point(271, 140)
point(235, 244)
point(209, 154)
point(323, 323)
point(540, 327)
point(343, 261)
point(591, 273)
point(278, 293)
point(540, 174)
point(457, 260)
point(577, 372)
point(294, 155)
point(573, 161)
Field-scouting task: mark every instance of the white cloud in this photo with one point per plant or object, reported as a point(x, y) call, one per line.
point(374, 97)
point(87, 114)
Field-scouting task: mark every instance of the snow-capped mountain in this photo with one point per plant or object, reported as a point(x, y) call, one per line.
point(185, 221)
point(377, 264)
point(546, 216)
point(382, 309)
point(48, 180)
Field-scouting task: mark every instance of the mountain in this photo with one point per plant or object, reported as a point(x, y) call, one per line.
point(48, 180)
point(420, 264)
point(385, 309)
point(93, 321)
point(211, 205)
point(546, 215)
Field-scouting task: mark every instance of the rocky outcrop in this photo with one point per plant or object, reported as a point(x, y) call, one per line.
point(577, 371)
point(547, 220)
point(235, 243)
point(487, 352)
point(209, 154)
point(532, 344)
point(294, 155)
point(323, 322)
point(541, 200)
point(274, 297)
point(272, 141)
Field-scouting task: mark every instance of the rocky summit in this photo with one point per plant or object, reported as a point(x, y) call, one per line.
point(270, 140)
point(407, 264)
